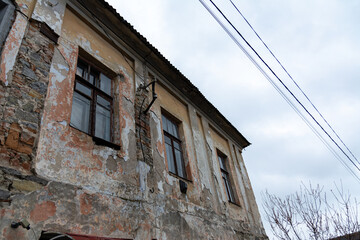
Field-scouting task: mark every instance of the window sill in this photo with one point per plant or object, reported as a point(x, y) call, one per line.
point(178, 177)
point(235, 204)
point(100, 141)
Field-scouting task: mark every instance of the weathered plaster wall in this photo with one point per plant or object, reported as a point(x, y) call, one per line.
point(50, 12)
point(243, 211)
point(69, 155)
point(208, 185)
point(11, 48)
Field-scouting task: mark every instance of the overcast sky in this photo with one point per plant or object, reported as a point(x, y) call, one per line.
point(318, 41)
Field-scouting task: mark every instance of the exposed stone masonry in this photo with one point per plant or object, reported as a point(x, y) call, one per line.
point(22, 101)
point(142, 120)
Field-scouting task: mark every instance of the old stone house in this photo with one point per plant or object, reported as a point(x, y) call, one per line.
point(102, 138)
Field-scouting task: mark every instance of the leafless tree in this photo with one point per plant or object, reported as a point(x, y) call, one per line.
point(309, 214)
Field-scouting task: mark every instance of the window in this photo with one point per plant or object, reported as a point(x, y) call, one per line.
point(173, 147)
point(7, 15)
point(92, 102)
point(70, 236)
point(226, 177)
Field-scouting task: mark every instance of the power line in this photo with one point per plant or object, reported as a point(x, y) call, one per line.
point(278, 89)
point(296, 84)
point(291, 93)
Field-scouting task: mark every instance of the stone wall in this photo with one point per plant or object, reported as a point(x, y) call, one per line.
point(22, 100)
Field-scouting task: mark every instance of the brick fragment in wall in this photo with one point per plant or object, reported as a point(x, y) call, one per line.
point(142, 121)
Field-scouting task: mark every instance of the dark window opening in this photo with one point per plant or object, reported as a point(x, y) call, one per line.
point(173, 147)
point(226, 177)
point(70, 236)
point(7, 17)
point(92, 109)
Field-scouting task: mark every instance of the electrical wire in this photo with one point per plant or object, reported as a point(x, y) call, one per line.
point(274, 85)
point(296, 84)
point(283, 84)
point(279, 90)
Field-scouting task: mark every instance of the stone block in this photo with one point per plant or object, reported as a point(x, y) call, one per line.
point(25, 186)
point(27, 139)
point(28, 107)
point(35, 94)
point(29, 73)
point(36, 180)
point(26, 116)
point(39, 87)
point(4, 195)
point(12, 140)
point(9, 112)
point(12, 100)
point(23, 148)
point(30, 128)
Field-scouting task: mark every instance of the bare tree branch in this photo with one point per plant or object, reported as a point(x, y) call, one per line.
point(308, 214)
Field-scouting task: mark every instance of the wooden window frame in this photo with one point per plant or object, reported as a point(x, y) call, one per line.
point(226, 177)
point(95, 92)
point(173, 139)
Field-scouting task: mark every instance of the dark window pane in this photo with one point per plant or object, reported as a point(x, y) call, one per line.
point(102, 123)
point(103, 102)
point(179, 163)
point(175, 131)
point(81, 69)
point(2, 10)
point(80, 113)
point(167, 140)
point(93, 77)
point(105, 84)
point(82, 88)
point(231, 196)
point(222, 163)
point(228, 187)
point(177, 146)
point(170, 158)
point(173, 148)
point(164, 123)
point(169, 126)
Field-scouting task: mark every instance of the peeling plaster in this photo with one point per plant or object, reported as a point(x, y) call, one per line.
point(25, 6)
point(51, 14)
point(143, 169)
point(158, 136)
point(11, 47)
point(170, 179)
point(125, 139)
point(243, 191)
point(160, 186)
point(104, 152)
